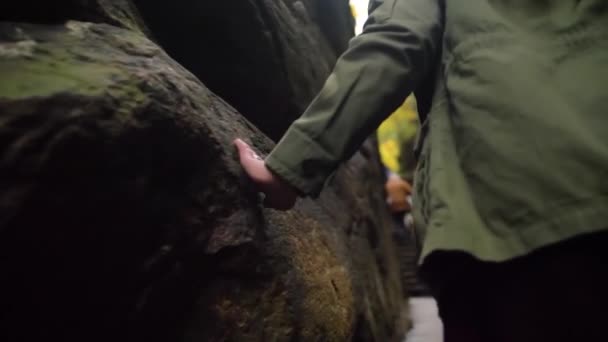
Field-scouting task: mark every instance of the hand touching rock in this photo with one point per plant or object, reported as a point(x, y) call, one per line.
point(279, 194)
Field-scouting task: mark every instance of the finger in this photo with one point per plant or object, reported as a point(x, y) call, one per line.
point(245, 150)
point(241, 147)
point(239, 143)
point(252, 166)
point(250, 160)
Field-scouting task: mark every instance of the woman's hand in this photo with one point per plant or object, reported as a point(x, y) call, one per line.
point(279, 194)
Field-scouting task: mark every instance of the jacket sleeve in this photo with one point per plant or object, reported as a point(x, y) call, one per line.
point(370, 80)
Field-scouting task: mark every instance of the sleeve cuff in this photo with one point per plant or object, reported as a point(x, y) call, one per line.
point(301, 162)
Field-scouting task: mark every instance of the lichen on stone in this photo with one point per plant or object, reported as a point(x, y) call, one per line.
point(19, 49)
point(77, 28)
point(53, 65)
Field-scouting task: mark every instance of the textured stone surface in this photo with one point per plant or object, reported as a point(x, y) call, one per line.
point(267, 58)
point(124, 215)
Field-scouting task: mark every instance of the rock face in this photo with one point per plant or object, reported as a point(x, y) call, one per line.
point(125, 216)
point(266, 58)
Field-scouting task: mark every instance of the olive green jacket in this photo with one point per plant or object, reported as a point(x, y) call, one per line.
point(514, 150)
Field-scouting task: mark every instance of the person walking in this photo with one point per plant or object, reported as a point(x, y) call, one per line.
point(510, 192)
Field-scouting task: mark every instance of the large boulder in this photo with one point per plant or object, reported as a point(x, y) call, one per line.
point(266, 58)
point(125, 216)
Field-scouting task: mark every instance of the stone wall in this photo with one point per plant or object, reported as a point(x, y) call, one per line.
point(124, 214)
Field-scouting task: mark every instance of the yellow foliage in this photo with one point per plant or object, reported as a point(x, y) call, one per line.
point(395, 132)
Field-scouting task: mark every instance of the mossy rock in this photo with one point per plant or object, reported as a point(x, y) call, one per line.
point(125, 216)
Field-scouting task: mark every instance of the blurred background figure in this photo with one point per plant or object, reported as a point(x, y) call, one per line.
point(396, 139)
